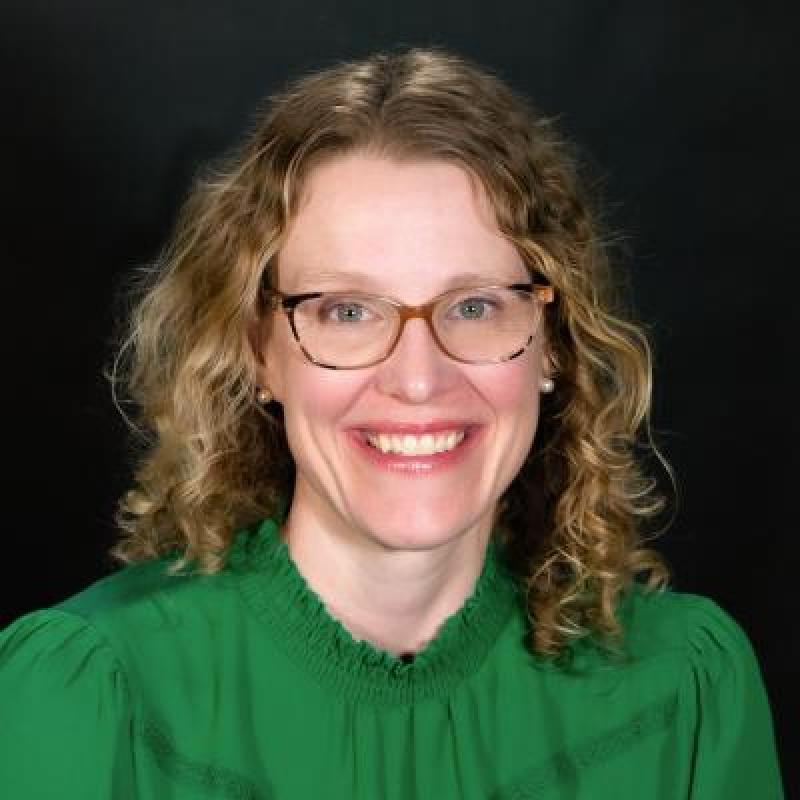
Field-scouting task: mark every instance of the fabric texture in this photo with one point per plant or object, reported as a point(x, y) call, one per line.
point(147, 686)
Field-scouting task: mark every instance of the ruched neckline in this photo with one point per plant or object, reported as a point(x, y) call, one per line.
point(300, 624)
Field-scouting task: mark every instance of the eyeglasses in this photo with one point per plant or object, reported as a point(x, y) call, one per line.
point(474, 325)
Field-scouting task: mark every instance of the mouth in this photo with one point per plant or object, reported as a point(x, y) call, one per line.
point(407, 444)
point(416, 454)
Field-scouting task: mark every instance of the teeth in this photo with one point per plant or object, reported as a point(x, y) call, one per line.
point(408, 445)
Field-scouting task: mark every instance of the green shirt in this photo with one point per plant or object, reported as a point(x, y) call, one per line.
point(241, 685)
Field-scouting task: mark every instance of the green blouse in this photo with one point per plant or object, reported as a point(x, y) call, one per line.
point(241, 685)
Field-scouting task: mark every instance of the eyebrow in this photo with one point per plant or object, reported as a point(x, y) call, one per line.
point(349, 278)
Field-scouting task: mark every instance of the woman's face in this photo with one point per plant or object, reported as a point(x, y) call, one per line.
point(410, 232)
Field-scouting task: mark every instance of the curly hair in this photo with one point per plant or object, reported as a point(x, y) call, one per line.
point(213, 461)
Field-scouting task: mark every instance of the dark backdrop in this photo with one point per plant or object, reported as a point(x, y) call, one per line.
point(685, 111)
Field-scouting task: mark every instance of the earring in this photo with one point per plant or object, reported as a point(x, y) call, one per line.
point(546, 385)
point(263, 395)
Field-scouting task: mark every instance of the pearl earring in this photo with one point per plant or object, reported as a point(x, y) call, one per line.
point(546, 385)
point(263, 396)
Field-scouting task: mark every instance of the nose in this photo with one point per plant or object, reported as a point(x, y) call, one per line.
point(417, 370)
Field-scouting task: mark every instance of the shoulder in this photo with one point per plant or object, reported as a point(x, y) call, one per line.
point(693, 631)
point(118, 624)
point(68, 630)
point(73, 679)
point(50, 645)
point(129, 588)
point(671, 632)
point(722, 701)
point(66, 705)
point(77, 679)
point(667, 617)
point(75, 636)
point(147, 599)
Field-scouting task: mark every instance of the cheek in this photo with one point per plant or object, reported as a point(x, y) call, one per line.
point(316, 401)
point(511, 389)
point(514, 397)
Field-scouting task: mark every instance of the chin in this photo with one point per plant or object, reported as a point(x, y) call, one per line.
point(416, 526)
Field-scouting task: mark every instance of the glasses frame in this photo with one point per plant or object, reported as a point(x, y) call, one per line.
point(543, 293)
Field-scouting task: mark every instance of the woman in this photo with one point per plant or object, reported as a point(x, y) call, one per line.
point(386, 539)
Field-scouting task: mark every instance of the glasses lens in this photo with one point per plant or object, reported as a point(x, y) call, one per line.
point(482, 325)
point(345, 329)
point(486, 325)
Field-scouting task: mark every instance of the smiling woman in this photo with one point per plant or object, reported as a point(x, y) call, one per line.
point(387, 538)
point(411, 228)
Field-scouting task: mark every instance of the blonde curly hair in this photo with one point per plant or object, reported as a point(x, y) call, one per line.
point(213, 461)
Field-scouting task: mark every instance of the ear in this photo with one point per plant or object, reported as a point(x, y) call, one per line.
point(259, 335)
point(550, 366)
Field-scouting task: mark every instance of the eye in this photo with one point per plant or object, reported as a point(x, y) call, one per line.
point(346, 311)
point(474, 307)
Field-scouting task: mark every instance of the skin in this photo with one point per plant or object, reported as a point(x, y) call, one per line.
point(393, 555)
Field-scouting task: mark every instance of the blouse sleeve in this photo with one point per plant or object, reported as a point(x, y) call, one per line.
point(64, 712)
point(734, 754)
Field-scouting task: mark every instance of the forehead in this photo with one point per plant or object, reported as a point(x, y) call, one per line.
point(399, 225)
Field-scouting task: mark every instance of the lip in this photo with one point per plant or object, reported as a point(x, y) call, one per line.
point(415, 428)
point(418, 465)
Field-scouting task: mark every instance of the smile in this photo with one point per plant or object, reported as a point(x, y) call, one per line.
point(409, 445)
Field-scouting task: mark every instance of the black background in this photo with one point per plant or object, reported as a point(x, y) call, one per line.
point(686, 112)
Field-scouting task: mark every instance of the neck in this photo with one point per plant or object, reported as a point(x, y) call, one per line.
point(395, 598)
